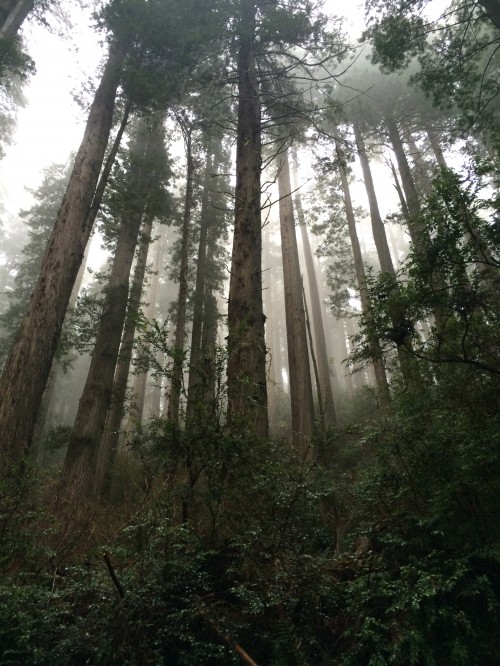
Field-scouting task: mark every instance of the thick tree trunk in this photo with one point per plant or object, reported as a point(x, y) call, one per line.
point(246, 368)
point(378, 363)
point(301, 395)
point(195, 383)
point(82, 457)
point(327, 407)
point(111, 435)
point(180, 314)
point(492, 10)
point(17, 13)
point(28, 364)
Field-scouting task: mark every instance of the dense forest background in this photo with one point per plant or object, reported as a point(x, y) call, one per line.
point(249, 332)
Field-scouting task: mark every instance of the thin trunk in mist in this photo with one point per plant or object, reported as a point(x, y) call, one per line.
point(196, 376)
point(246, 367)
point(401, 196)
point(436, 148)
point(327, 406)
point(30, 358)
point(417, 232)
point(403, 340)
point(423, 177)
point(209, 345)
point(109, 442)
point(378, 227)
point(180, 313)
point(301, 395)
point(81, 462)
point(378, 363)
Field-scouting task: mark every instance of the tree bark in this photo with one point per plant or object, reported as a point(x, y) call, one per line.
point(301, 395)
point(15, 18)
point(111, 435)
point(409, 369)
point(195, 383)
point(378, 227)
point(30, 359)
point(180, 315)
point(492, 10)
point(81, 462)
point(246, 368)
point(327, 407)
point(376, 352)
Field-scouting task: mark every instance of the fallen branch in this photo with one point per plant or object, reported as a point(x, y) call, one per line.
point(114, 577)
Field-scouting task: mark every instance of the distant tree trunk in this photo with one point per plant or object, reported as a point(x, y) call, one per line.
point(180, 313)
point(403, 342)
point(246, 368)
point(29, 361)
point(378, 227)
point(208, 345)
point(436, 148)
point(301, 395)
point(81, 462)
point(401, 196)
point(328, 406)
point(418, 233)
point(378, 363)
point(195, 383)
point(111, 435)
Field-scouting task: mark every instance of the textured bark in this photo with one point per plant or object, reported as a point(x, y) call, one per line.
point(401, 196)
point(301, 395)
point(196, 380)
point(327, 403)
point(378, 364)
point(436, 148)
point(417, 232)
point(110, 438)
point(246, 368)
point(403, 341)
point(180, 313)
point(82, 457)
point(378, 227)
point(17, 13)
point(492, 9)
point(30, 359)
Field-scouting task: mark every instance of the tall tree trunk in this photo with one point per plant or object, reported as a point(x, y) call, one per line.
point(328, 403)
point(417, 233)
point(246, 368)
point(401, 196)
point(82, 457)
point(30, 358)
point(378, 227)
point(378, 363)
point(180, 314)
point(195, 382)
point(403, 340)
point(492, 10)
point(436, 148)
point(18, 12)
point(301, 395)
point(111, 435)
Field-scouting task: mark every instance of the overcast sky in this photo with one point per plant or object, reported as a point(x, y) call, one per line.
point(51, 125)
